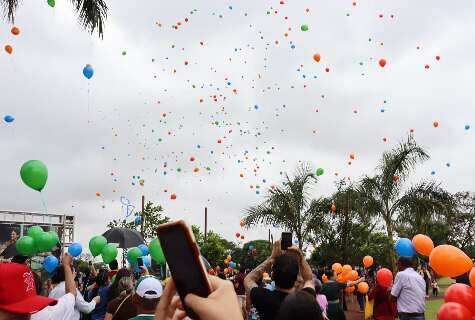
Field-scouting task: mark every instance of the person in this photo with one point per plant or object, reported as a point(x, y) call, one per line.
point(220, 304)
point(427, 279)
point(59, 290)
point(239, 287)
point(435, 287)
point(114, 268)
point(20, 300)
point(300, 305)
point(102, 289)
point(320, 298)
point(285, 270)
point(148, 291)
point(122, 307)
point(359, 296)
point(383, 306)
point(409, 291)
point(114, 290)
point(332, 290)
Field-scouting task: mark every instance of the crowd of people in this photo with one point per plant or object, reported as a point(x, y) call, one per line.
point(282, 287)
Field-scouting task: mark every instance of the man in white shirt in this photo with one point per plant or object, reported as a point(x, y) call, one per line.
point(409, 291)
point(20, 301)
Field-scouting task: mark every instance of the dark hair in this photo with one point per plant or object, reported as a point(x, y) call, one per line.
point(147, 304)
point(242, 269)
point(405, 262)
point(300, 305)
point(285, 270)
point(318, 286)
point(58, 275)
point(19, 259)
point(114, 265)
point(101, 278)
point(114, 288)
point(330, 274)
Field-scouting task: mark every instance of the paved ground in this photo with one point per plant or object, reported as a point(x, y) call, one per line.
point(353, 309)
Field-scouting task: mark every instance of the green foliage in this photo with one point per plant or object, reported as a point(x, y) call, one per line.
point(249, 260)
point(153, 217)
point(215, 249)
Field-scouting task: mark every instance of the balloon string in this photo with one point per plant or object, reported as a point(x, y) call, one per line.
point(44, 203)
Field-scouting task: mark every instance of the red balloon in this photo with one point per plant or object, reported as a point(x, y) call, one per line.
point(453, 311)
point(384, 277)
point(461, 293)
point(238, 234)
point(382, 62)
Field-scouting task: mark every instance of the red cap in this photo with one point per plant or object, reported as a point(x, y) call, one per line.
point(17, 290)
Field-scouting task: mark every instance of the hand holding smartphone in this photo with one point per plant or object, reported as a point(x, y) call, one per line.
point(285, 240)
point(183, 257)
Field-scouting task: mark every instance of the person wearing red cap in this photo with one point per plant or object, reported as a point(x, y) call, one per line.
point(19, 299)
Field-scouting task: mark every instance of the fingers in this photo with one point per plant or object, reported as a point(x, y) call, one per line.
point(165, 301)
point(196, 303)
point(179, 315)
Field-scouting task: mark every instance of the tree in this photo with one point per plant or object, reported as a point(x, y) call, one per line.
point(384, 193)
point(91, 13)
point(462, 223)
point(153, 217)
point(252, 253)
point(215, 249)
point(289, 206)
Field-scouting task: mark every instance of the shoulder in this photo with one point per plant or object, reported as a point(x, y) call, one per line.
point(310, 291)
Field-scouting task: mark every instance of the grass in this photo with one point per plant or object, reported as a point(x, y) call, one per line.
point(432, 306)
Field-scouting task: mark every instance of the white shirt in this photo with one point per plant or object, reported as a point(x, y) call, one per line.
point(63, 310)
point(410, 289)
point(80, 305)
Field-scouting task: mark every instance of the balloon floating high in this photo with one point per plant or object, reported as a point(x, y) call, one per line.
point(88, 71)
point(320, 172)
point(34, 174)
point(51, 3)
point(8, 49)
point(304, 27)
point(317, 57)
point(382, 63)
point(8, 118)
point(15, 31)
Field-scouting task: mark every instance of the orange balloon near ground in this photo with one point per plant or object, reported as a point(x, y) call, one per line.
point(8, 49)
point(368, 261)
point(336, 267)
point(316, 57)
point(472, 277)
point(363, 287)
point(423, 244)
point(449, 261)
point(15, 31)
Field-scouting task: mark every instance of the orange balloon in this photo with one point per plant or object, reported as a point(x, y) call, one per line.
point(15, 31)
point(363, 287)
point(352, 156)
point(324, 278)
point(449, 261)
point(350, 289)
point(352, 275)
point(226, 261)
point(98, 194)
point(242, 223)
point(346, 268)
point(336, 267)
point(229, 258)
point(8, 49)
point(368, 261)
point(316, 57)
point(471, 276)
point(435, 124)
point(423, 244)
point(340, 278)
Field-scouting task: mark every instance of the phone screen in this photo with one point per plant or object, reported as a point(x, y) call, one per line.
point(140, 262)
point(184, 262)
point(286, 240)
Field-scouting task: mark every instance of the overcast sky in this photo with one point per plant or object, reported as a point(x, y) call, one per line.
point(141, 115)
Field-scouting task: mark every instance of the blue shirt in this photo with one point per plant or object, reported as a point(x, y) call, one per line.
point(99, 311)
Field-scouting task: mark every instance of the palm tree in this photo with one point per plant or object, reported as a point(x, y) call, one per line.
point(91, 13)
point(384, 193)
point(289, 206)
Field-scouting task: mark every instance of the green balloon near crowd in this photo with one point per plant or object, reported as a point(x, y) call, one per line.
point(26, 246)
point(320, 172)
point(43, 242)
point(54, 239)
point(133, 254)
point(96, 245)
point(34, 174)
point(35, 232)
point(109, 253)
point(156, 252)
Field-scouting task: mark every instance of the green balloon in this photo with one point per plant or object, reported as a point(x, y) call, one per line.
point(34, 174)
point(109, 253)
point(96, 244)
point(304, 27)
point(320, 172)
point(35, 232)
point(133, 254)
point(43, 242)
point(53, 238)
point(26, 246)
point(156, 252)
point(51, 3)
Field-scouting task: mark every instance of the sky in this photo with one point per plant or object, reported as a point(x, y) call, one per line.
point(236, 88)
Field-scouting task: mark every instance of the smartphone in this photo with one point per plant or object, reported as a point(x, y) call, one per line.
point(183, 258)
point(285, 240)
point(139, 262)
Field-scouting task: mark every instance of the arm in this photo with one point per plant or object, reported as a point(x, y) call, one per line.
point(304, 268)
point(354, 283)
point(108, 316)
point(251, 279)
point(84, 306)
point(70, 285)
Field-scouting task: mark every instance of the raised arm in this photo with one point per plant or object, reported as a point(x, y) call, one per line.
point(304, 268)
point(70, 285)
point(250, 281)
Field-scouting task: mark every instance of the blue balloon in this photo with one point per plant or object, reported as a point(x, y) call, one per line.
point(88, 71)
point(75, 249)
point(50, 263)
point(138, 220)
point(8, 118)
point(147, 261)
point(404, 248)
point(144, 249)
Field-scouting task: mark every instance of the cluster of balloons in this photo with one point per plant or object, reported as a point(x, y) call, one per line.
point(36, 241)
point(346, 273)
point(458, 303)
point(34, 174)
point(142, 251)
point(98, 246)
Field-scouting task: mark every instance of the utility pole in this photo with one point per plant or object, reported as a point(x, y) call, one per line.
point(206, 223)
point(143, 216)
